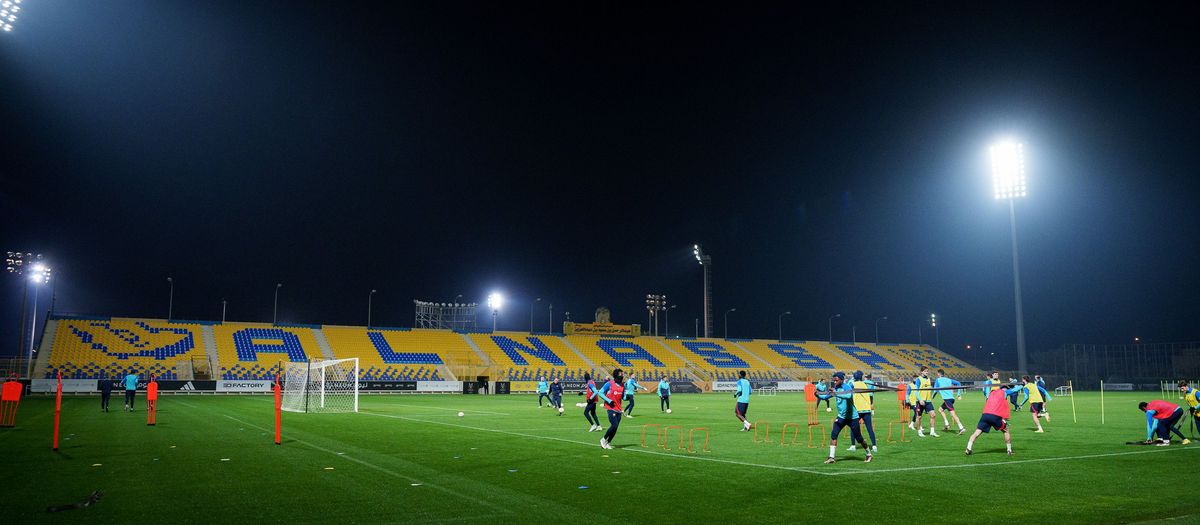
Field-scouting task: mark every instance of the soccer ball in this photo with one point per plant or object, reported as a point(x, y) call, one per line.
point(460, 414)
point(668, 411)
point(560, 410)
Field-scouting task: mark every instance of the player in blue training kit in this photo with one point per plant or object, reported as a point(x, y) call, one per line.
point(664, 394)
point(130, 383)
point(847, 415)
point(743, 400)
point(543, 390)
point(822, 387)
point(947, 392)
point(631, 387)
point(592, 397)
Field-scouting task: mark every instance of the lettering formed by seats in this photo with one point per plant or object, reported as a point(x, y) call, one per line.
point(252, 341)
point(715, 354)
point(513, 350)
point(797, 354)
point(393, 357)
point(872, 359)
point(625, 352)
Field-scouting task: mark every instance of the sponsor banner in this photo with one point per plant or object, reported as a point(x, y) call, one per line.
point(387, 386)
point(573, 386)
point(683, 387)
point(180, 386)
point(439, 386)
point(69, 385)
point(248, 385)
point(522, 386)
point(792, 386)
point(502, 387)
point(1124, 387)
point(629, 330)
point(724, 386)
point(755, 385)
point(471, 387)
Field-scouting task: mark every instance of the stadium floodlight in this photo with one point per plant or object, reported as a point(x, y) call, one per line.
point(495, 301)
point(1008, 183)
point(706, 262)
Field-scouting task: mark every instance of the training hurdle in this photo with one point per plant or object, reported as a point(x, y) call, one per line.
point(657, 434)
point(783, 434)
point(10, 399)
point(691, 439)
point(766, 430)
point(820, 435)
point(902, 423)
point(662, 439)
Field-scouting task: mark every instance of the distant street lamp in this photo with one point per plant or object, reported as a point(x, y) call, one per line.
point(369, 297)
point(884, 318)
point(831, 318)
point(667, 324)
point(223, 302)
point(275, 313)
point(781, 324)
point(551, 323)
point(171, 300)
point(1008, 183)
point(538, 300)
point(727, 321)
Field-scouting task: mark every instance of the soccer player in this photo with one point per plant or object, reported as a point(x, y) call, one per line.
point(822, 387)
point(1192, 397)
point(925, 399)
point(743, 400)
point(631, 387)
point(913, 404)
point(543, 390)
point(106, 388)
point(556, 392)
point(664, 394)
point(592, 395)
point(864, 403)
point(1041, 383)
point(130, 381)
point(1037, 398)
point(947, 392)
point(1012, 398)
point(846, 416)
point(1161, 417)
point(611, 394)
point(991, 382)
point(996, 411)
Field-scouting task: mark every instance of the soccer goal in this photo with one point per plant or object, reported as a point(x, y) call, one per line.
point(768, 391)
point(327, 385)
point(1063, 391)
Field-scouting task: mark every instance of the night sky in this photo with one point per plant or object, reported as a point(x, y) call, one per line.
point(830, 162)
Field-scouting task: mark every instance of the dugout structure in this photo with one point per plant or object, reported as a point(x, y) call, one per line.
point(321, 386)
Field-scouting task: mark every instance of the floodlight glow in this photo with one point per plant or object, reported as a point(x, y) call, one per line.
point(1008, 170)
point(495, 301)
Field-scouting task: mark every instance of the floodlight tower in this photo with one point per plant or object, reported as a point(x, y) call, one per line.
point(495, 301)
point(655, 303)
point(1008, 183)
point(8, 14)
point(22, 264)
point(705, 261)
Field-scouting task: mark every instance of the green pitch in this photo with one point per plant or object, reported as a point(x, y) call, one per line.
point(411, 459)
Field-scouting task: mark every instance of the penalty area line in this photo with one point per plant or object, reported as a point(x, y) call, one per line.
point(1014, 462)
point(628, 449)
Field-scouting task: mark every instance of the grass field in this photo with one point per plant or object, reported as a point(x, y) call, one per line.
point(411, 459)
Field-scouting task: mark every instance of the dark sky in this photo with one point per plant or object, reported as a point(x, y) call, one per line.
point(829, 161)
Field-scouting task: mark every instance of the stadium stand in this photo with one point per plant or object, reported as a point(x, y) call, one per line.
point(258, 351)
point(94, 349)
point(519, 356)
point(392, 354)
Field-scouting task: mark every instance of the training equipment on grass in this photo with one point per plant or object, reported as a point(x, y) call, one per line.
point(10, 399)
point(662, 440)
point(278, 407)
point(766, 428)
point(460, 414)
point(151, 402)
point(768, 391)
point(329, 385)
point(57, 409)
point(1071, 388)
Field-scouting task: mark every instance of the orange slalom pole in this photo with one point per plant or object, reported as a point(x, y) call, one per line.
point(151, 402)
point(278, 409)
point(57, 409)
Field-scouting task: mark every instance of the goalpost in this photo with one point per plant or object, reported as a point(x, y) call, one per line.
point(323, 385)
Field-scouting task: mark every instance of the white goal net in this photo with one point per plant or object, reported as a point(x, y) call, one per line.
point(321, 386)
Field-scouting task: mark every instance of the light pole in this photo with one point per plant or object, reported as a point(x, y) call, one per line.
point(495, 301)
point(275, 313)
point(727, 321)
point(781, 324)
point(171, 300)
point(538, 300)
point(667, 324)
point(937, 333)
point(223, 303)
point(854, 333)
point(655, 303)
point(706, 262)
point(1008, 183)
point(831, 318)
point(884, 318)
point(551, 323)
point(696, 320)
point(40, 276)
point(369, 297)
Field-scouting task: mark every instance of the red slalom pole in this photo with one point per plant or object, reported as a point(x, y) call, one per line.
point(151, 402)
point(57, 409)
point(278, 408)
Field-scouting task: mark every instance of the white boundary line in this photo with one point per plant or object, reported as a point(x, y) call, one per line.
point(485, 412)
point(1019, 461)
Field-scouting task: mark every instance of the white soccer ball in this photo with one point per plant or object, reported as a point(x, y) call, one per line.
point(668, 411)
point(560, 410)
point(460, 414)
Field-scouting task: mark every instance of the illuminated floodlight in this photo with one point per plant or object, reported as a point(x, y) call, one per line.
point(495, 301)
point(1008, 170)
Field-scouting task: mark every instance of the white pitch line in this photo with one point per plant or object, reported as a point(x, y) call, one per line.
point(451, 409)
point(589, 444)
point(1014, 462)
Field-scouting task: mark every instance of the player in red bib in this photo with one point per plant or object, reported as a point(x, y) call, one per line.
point(611, 394)
point(996, 412)
point(1161, 417)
